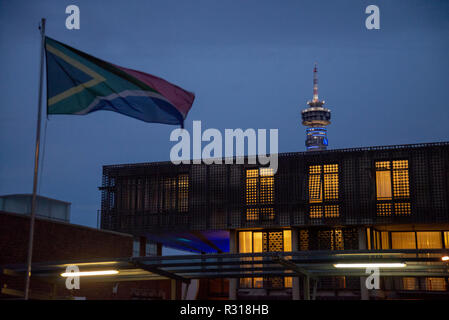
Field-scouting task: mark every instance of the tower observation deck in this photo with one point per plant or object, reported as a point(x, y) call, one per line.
point(316, 118)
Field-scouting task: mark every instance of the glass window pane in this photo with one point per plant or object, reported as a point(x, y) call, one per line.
point(331, 186)
point(245, 242)
point(316, 212)
point(251, 191)
point(315, 189)
point(331, 211)
point(429, 240)
point(385, 240)
point(400, 164)
point(401, 184)
point(266, 190)
point(383, 165)
point(257, 241)
point(383, 185)
point(253, 173)
point(403, 240)
point(287, 240)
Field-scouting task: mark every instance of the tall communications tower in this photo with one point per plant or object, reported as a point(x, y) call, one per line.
point(316, 118)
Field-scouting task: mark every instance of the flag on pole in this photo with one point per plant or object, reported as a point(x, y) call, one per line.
point(78, 83)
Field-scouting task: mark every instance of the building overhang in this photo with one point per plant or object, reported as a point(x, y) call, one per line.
point(215, 241)
point(312, 264)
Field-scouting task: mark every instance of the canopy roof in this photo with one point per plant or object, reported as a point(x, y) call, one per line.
point(313, 264)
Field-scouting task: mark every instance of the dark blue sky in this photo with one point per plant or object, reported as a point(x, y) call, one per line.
point(249, 63)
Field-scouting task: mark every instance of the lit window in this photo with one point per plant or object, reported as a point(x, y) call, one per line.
point(446, 239)
point(403, 240)
point(264, 241)
point(183, 193)
point(392, 188)
point(323, 190)
point(175, 193)
point(429, 240)
point(385, 240)
point(259, 194)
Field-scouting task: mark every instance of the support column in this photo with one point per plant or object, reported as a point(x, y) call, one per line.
point(173, 289)
point(364, 294)
point(295, 280)
point(142, 246)
point(306, 288)
point(233, 249)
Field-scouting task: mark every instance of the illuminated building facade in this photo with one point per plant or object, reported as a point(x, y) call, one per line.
point(374, 198)
point(316, 118)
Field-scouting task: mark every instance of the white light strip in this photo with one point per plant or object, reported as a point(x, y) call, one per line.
point(445, 258)
point(370, 265)
point(88, 273)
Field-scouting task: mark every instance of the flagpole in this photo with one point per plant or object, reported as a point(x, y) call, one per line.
point(36, 162)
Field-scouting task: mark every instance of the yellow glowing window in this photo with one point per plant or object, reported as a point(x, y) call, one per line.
point(368, 238)
point(403, 240)
point(266, 189)
point(314, 169)
point(384, 209)
point(400, 164)
point(331, 211)
point(183, 193)
point(258, 242)
point(392, 184)
point(402, 208)
point(385, 240)
point(401, 184)
point(429, 240)
point(323, 187)
point(259, 194)
point(383, 185)
point(383, 165)
point(330, 168)
point(253, 242)
point(446, 239)
point(315, 189)
point(252, 214)
point(251, 191)
point(316, 212)
point(245, 242)
point(259, 186)
point(287, 240)
point(331, 186)
point(253, 173)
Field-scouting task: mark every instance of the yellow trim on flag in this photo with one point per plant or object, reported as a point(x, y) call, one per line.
point(63, 95)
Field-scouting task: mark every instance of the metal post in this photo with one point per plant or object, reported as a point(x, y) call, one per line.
point(233, 249)
point(36, 163)
point(173, 289)
point(295, 281)
point(364, 294)
point(315, 284)
point(306, 288)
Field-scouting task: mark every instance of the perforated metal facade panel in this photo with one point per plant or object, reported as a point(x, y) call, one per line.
point(152, 197)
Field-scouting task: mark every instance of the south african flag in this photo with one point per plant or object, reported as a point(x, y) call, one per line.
point(78, 83)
